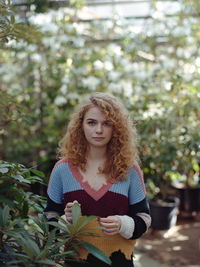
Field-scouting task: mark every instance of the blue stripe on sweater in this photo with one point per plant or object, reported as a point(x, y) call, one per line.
point(62, 181)
point(131, 188)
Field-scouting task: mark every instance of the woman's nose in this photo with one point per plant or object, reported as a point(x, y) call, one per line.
point(99, 128)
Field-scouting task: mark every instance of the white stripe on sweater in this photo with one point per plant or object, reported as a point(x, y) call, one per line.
point(127, 226)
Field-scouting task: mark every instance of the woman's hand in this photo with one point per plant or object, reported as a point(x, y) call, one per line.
point(68, 210)
point(111, 225)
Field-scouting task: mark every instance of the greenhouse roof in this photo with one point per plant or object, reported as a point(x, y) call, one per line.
point(131, 9)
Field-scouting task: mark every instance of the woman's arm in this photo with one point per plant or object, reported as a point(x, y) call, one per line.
point(53, 209)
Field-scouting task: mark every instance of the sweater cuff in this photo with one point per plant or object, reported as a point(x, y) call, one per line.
point(127, 226)
point(51, 214)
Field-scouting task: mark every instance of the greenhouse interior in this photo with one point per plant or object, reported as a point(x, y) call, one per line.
point(53, 55)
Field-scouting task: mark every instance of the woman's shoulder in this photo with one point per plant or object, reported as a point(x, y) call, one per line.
point(136, 168)
point(137, 175)
point(63, 162)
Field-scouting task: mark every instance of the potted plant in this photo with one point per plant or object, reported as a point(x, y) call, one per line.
point(187, 185)
point(158, 155)
point(163, 204)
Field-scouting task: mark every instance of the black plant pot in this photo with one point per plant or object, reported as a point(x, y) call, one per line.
point(189, 199)
point(163, 213)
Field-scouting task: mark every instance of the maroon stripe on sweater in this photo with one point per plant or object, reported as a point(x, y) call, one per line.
point(110, 204)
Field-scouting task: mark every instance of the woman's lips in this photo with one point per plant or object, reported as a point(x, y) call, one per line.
point(98, 138)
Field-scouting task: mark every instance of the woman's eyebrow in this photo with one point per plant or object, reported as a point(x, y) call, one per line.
point(91, 119)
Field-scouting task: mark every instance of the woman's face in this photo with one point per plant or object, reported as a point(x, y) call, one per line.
point(97, 129)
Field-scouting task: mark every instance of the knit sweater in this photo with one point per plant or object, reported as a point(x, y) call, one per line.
point(121, 198)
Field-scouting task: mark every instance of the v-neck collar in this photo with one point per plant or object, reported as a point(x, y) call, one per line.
point(95, 194)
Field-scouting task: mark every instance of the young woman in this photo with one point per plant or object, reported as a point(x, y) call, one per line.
point(99, 169)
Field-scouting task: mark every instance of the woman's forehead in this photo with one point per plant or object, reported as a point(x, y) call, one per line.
point(95, 113)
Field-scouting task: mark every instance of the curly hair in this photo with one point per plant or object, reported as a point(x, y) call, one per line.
point(122, 150)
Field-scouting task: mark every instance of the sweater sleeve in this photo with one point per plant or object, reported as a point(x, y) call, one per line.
point(138, 205)
point(53, 209)
point(55, 186)
point(54, 194)
point(141, 216)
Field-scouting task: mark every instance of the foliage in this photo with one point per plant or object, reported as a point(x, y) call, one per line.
point(29, 240)
point(153, 66)
point(170, 144)
point(11, 27)
point(15, 181)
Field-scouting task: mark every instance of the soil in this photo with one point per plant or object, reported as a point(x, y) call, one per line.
point(179, 246)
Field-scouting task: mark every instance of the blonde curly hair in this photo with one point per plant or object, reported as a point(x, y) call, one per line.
point(122, 151)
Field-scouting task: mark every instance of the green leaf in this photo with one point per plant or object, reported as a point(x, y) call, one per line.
point(44, 252)
point(195, 167)
point(21, 179)
point(76, 212)
point(12, 19)
point(51, 238)
point(25, 208)
point(42, 223)
point(2, 165)
point(4, 216)
point(13, 233)
point(56, 248)
point(48, 262)
point(7, 201)
point(83, 220)
point(71, 228)
point(64, 223)
point(29, 246)
point(58, 226)
point(4, 170)
point(96, 252)
point(38, 173)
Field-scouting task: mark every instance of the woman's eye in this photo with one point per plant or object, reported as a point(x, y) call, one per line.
point(107, 123)
point(91, 122)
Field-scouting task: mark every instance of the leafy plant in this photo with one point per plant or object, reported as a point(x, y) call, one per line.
point(15, 181)
point(27, 240)
point(190, 179)
point(11, 28)
point(31, 242)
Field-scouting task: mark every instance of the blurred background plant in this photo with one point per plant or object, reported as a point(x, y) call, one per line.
point(12, 27)
point(153, 66)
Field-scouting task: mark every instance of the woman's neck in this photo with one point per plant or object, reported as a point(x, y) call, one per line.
point(96, 154)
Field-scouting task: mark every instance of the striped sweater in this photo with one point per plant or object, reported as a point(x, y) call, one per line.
point(121, 198)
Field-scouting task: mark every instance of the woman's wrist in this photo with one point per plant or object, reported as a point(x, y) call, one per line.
point(127, 226)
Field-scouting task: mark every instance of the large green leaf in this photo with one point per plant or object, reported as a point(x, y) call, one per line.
point(21, 179)
point(38, 173)
point(29, 246)
point(96, 252)
point(76, 212)
point(83, 221)
point(4, 170)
